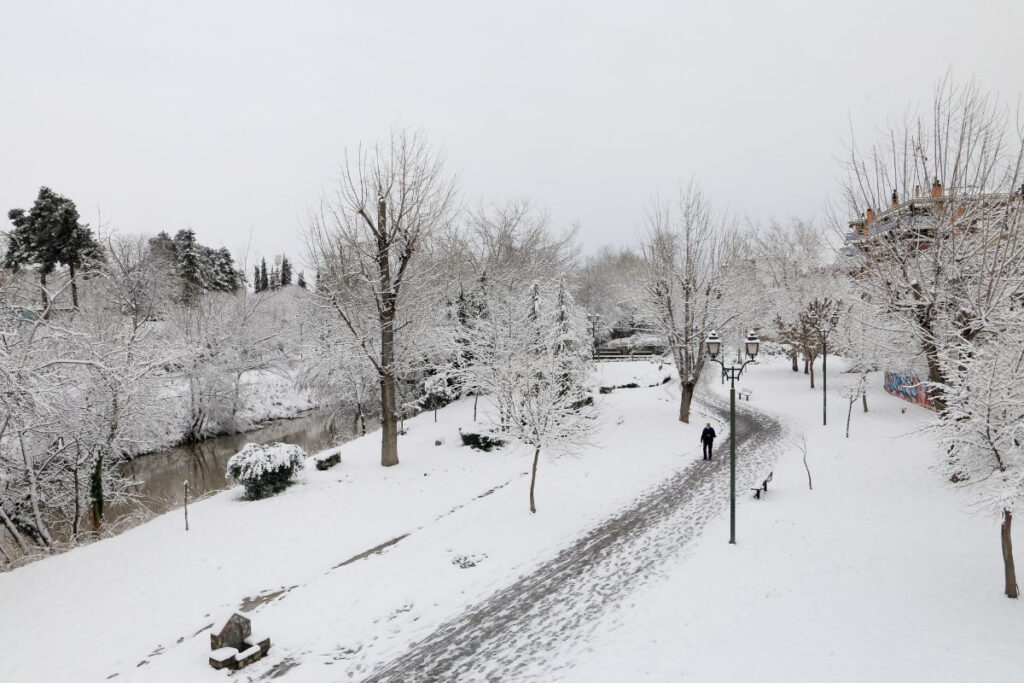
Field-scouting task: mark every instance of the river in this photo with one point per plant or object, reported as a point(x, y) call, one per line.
point(161, 475)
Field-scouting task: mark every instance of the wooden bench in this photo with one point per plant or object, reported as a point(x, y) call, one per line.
point(764, 486)
point(745, 394)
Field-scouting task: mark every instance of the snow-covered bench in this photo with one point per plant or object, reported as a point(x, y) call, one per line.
point(764, 486)
point(745, 394)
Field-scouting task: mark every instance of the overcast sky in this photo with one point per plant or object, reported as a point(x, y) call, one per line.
point(232, 117)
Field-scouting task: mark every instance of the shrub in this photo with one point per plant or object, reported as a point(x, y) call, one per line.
point(265, 469)
point(326, 462)
point(481, 442)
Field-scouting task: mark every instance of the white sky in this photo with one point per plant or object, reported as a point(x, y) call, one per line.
point(233, 116)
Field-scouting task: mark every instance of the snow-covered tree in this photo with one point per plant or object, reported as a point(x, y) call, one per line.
point(526, 362)
point(981, 429)
point(367, 245)
point(50, 234)
point(945, 253)
point(689, 282)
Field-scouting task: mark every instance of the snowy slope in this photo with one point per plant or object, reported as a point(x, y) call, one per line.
point(146, 595)
point(877, 574)
point(880, 573)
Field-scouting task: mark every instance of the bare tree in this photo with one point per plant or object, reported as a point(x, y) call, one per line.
point(686, 282)
point(364, 244)
point(939, 245)
point(852, 392)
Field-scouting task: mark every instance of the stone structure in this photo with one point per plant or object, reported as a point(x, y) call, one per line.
point(235, 647)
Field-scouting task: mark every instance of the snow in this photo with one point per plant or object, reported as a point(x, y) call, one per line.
point(878, 573)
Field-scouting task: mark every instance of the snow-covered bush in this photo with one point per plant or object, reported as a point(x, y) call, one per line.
point(481, 441)
point(265, 469)
point(326, 461)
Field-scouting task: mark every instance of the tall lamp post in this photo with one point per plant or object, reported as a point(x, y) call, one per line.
point(733, 372)
point(824, 328)
point(594, 318)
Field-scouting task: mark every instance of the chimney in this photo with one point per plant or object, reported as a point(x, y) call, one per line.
point(895, 198)
point(869, 218)
point(917, 191)
point(936, 189)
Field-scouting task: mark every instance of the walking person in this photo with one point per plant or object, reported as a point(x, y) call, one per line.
point(707, 439)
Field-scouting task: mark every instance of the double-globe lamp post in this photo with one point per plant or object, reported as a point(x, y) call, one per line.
point(733, 372)
point(824, 329)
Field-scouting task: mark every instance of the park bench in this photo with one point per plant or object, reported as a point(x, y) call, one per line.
point(745, 394)
point(764, 486)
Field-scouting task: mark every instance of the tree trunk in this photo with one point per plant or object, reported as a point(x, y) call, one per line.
point(533, 479)
point(388, 422)
point(33, 493)
point(1008, 569)
point(810, 483)
point(476, 397)
point(76, 520)
point(74, 286)
point(806, 366)
point(812, 375)
point(685, 398)
point(388, 415)
point(13, 530)
point(849, 412)
point(935, 376)
point(864, 398)
point(796, 364)
point(43, 293)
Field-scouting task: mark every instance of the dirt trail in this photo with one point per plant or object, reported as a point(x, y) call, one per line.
point(512, 633)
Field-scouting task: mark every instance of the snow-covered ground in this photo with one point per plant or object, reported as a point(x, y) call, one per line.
point(877, 574)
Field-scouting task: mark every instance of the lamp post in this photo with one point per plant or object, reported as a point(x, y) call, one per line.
point(733, 372)
point(823, 330)
point(594, 318)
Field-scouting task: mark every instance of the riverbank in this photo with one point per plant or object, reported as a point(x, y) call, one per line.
point(273, 409)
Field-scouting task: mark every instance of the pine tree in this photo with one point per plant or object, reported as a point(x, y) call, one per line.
point(275, 278)
point(301, 282)
point(256, 279)
point(50, 234)
point(189, 266)
point(286, 271)
point(264, 280)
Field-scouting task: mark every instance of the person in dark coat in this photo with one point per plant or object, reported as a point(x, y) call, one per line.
point(707, 438)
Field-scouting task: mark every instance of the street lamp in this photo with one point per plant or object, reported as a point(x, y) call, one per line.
point(732, 371)
point(824, 329)
point(594, 318)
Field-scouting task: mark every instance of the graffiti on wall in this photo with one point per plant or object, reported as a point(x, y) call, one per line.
point(907, 385)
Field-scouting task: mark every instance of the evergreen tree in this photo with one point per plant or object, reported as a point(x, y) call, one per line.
point(256, 279)
point(301, 282)
point(50, 234)
point(286, 271)
point(189, 266)
point(162, 246)
point(223, 276)
point(275, 278)
point(264, 280)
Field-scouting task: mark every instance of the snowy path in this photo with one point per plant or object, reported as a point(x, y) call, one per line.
point(511, 634)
